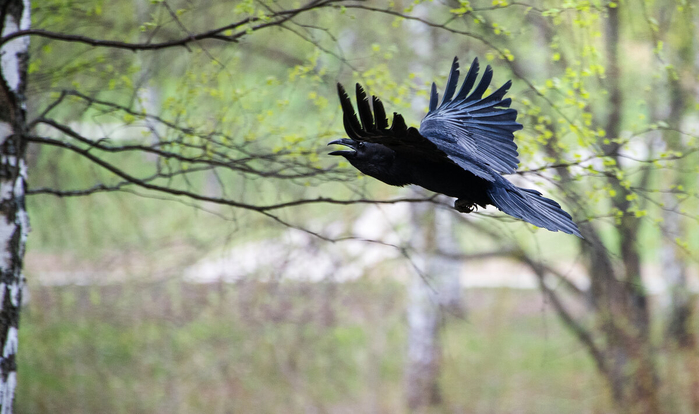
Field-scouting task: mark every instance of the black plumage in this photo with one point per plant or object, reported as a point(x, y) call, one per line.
point(462, 147)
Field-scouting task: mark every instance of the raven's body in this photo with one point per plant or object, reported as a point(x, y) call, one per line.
point(452, 181)
point(402, 165)
point(460, 150)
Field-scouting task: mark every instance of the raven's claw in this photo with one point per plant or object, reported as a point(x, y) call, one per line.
point(465, 206)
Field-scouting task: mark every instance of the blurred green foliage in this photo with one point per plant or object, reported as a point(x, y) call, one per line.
point(294, 347)
point(248, 347)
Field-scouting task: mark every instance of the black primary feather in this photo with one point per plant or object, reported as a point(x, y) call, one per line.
point(364, 109)
point(462, 147)
point(452, 81)
point(379, 113)
point(469, 81)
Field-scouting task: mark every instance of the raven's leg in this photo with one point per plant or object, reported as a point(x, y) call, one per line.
point(464, 206)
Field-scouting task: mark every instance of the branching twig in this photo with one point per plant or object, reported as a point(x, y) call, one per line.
point(216, 34)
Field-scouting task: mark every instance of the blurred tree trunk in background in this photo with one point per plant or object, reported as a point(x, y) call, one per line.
point(672, 256)
point(617, 294)
point(682, 81)
point(424, 313)
point(147, 96)
point(424, 317)
point(621, 299)
point(445, 266)
point(14, 225)
point(435, 292)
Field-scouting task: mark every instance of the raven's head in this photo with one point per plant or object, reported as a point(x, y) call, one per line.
point(370, 158)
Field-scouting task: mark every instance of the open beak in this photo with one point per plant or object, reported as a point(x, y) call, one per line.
point(347, 143)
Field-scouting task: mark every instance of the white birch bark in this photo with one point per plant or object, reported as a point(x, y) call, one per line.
point(434, 292)
point(14, 225)
point(147, 96)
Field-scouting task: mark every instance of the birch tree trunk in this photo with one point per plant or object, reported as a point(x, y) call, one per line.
point(434, 292)
point(147, 96)
point(14, 223)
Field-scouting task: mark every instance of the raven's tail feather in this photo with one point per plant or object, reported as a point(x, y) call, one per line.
point(532, 207)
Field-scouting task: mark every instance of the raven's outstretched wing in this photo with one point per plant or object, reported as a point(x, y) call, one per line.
point(374, 128)
point(406, 140)
point(367, 129)
point(472, 130)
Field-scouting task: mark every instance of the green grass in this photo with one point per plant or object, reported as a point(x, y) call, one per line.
point(291, 347)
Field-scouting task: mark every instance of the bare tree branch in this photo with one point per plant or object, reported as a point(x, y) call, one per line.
point(216, 34)
point(583, 334)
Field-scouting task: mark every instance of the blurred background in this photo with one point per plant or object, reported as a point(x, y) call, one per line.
point(193, 249)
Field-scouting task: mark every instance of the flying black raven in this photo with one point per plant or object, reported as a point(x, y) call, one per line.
point(460, 150)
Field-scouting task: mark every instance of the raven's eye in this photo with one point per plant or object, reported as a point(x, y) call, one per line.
point(360, 145)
